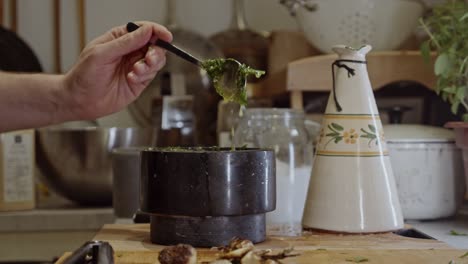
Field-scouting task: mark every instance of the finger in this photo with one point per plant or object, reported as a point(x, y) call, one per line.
point(151, 56)
point(125, 44)
point(134, 57)
point(131, 42)
point(147, 79)
point(147, 75)
point(133, 78)
point(153, 61)
point(110, 35)
point(146, 83)
point(138, 79)
point(154, 54)
point(159, 31)
point(139, 83)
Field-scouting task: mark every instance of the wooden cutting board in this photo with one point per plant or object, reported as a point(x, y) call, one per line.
point(131, 245)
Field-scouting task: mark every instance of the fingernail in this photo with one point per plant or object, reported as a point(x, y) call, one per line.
point(132, 75)
point(151, 50)
point(154, 57)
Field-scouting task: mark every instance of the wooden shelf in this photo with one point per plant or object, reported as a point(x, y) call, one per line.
point(272, 86)
point(314, 73)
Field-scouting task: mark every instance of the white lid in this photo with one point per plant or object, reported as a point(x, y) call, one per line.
point(417, 133)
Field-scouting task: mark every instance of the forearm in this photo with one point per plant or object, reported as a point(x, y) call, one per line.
point(30, 100)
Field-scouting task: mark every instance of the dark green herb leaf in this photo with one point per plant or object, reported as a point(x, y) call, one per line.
point(337, 127)
point(455, 233)
point(357, 259)
point(334, 134)
point(426, 51)
point(371, 127)
point(460, 94)
point(338, 139)
point(445, 97)
point(450, 90)
point(454, 107)
point(465, 117)
point(464, 255)
point(465, 16)
point(448, 31)
point(442, 64)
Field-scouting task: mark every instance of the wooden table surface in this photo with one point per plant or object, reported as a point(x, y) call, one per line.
point(131, 245)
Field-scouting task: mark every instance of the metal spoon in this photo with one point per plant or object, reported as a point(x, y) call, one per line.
point(230, 77)
point(232, 82)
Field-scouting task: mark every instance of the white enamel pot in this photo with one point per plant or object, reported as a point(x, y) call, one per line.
point(428, 170)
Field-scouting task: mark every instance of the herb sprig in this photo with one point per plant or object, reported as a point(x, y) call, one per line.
point(447, 28)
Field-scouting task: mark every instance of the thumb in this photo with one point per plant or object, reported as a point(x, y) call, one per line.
point(126, 43)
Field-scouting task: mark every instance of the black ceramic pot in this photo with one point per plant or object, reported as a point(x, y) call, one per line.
point(207, 196)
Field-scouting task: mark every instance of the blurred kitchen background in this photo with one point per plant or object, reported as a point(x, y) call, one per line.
point(57, 47)
point(57, 31)
point(180, 106)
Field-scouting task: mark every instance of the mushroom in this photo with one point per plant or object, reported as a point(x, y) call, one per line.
point(220, 261)
point(178, 254)
point(237, 248)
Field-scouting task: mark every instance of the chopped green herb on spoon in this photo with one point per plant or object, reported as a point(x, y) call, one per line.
point(229, 78)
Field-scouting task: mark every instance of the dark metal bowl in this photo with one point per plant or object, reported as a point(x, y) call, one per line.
point(207, 196)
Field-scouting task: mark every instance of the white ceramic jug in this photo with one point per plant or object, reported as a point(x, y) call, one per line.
point(352, 187)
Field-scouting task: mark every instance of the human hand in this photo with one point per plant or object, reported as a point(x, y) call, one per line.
point(113, 70)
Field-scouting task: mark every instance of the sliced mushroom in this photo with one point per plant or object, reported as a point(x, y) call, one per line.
point(221, 261)
point(237, 248)
point(178, 254)
point(251, 258)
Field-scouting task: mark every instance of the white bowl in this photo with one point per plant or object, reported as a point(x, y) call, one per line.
point(384, 24)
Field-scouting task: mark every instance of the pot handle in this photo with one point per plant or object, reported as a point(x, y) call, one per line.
point(293, 5)
point(94, 252)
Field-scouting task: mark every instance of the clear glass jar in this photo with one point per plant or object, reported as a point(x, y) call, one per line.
point(290, 135)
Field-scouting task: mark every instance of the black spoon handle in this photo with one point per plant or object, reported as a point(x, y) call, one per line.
point(168, 46)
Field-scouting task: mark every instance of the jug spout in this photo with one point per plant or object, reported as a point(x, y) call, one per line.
point(347, 52)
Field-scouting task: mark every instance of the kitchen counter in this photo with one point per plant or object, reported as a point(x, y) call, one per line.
point(131, 245)
point(441, 229)
point(44, 234)
point(67, 218)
